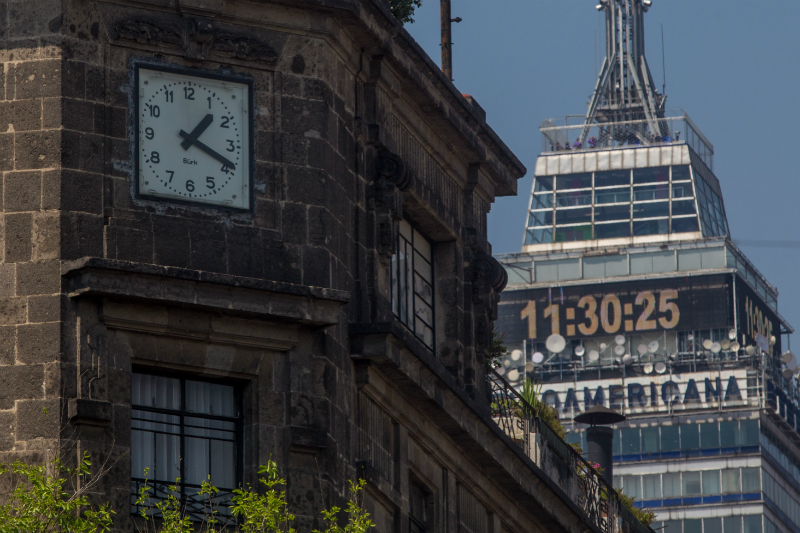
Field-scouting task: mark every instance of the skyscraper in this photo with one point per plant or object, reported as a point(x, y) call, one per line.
point(629, 293)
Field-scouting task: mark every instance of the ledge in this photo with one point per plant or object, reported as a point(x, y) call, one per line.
point(277, 301)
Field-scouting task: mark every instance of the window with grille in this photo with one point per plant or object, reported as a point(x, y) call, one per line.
point(412, 283)
point(184, 432)
point(418, 509)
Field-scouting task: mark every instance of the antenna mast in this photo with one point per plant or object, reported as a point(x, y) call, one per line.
point(625, 91)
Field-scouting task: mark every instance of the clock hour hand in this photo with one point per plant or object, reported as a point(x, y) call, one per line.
point(219, 157)
point(196, 132)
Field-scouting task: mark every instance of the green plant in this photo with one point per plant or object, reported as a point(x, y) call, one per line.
point(643, 515)
point(358, 520)
point(403, 10)
point(42, 500)
point(498, 351)
point(532, 393)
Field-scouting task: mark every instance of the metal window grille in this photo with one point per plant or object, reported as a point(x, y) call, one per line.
point(417, 510)
point(412, 283)
point(472, 515)
point(375, 437)
point(184, 432)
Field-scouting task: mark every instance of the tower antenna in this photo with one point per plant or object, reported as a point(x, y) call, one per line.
point(663, 61)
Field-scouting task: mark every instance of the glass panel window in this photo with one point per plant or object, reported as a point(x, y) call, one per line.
point(712, 525)
point(685, 225)
point(752, 523)
point(683, 207)
point(751, 479)
point(574, 181)
point(651, 487)
point(680, 173)
point(612, 231)
point(729, 433)
point(733, 524)
point(651, 175)
point(630, 440)
point(650, 439)
point(710, 482)
point(543, 183)
point(574, 233)
point(612, 196)
point(573, 198)
point(609, 213)
point(691, 484)
point(730, 481)
point(672, 526)
point(709, 435)
point(542, 201)
point(651, 227)
point(539, 236)
point(417, 509)
point(573, 216)
point(693, 525)
point(631, 486)
point(669, 438)
point(540, 218)
point(184, 432)
point(611, 178)
point(748, 432)
point(651, 210)
point(690, 437)
point(672, 484)
point(651, 192)
point(682, 190)
point(412, 283)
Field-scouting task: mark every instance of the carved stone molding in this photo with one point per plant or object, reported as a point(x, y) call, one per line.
point(487, 274)
point(198, 38)
point(391, 178)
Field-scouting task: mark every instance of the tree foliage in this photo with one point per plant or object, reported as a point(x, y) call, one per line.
point(403, 10)
point(42, 499)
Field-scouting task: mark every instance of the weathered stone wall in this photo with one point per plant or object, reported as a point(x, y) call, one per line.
point(95, 282)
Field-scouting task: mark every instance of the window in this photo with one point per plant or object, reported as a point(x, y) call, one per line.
point(187, 429)
point(730, 481)
point(710, 482)
point(672, 485)
point(691, 483)
point(751, 479)
point(412, 283)
point(651, 487)
point(418, 509)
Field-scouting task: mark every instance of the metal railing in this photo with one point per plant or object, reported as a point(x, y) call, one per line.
point(197, 507)
point(582, 483)
point(572, 134)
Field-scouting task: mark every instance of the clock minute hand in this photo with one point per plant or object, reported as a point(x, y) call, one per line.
point(197, 131)
point(219, 157)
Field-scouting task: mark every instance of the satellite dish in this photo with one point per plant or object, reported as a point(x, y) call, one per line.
point(556, 343)
point(690, 337)
point(772, 340)
point(516, 354)
point(501, 370)
point(619, 349)
point(594, 355)
point(716, 347)
point(707, 344)
point(735, 346)
point(648, 368)
point(672, 356)
point(513, 375)
point(787, 373)
point(620, 339)
point(627, 359)
point(642, 349)
point(762, 342)
point(603, 346)
point(528, 367)
point(506, 363)
point(653, 347)
point(787, 357)
point(660, 367)
point(579, 351)
point(732, 334)
point(538, 357)
point(750, 350)
point(725, 343)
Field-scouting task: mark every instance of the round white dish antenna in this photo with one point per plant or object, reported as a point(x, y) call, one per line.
point(648, 368)
point(660, 367)
point(603, 346)
point(735, 346)
point(642, 349)
point(528, 367)
point(750, 350)
point(715, 347)
point(579, 351)
point(627, 359)
point(707, 344)
point(619, 349)
point(725, 343)
point(513, 375)
point(732, 334)
point(619, 339)
point(538, 357)
point(556, 343)
point(652, 347)
point(516, 355)
point(594, 355)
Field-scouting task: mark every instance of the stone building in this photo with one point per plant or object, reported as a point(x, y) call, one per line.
point(303, 276)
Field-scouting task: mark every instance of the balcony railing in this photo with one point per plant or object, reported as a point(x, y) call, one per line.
point(571, 133)
point(587, 489)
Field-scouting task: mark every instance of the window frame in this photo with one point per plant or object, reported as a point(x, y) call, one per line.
point(399, 282)
point(182, 413)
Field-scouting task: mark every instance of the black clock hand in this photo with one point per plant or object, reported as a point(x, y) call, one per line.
point(197, 131)
point(206, 149)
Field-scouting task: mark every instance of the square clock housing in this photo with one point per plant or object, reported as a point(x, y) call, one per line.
point(194, 137)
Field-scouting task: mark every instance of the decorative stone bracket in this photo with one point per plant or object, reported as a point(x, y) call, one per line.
point(391, 178)
point(489, 278)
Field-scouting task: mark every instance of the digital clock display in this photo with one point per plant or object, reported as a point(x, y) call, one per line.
point(616, 308)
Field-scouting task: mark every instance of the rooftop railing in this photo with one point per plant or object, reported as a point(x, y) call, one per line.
point(572, 134)
point(583, 484)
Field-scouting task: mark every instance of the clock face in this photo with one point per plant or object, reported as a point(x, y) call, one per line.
point(193, 139)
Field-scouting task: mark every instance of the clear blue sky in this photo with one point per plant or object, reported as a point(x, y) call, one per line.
point(731, 65)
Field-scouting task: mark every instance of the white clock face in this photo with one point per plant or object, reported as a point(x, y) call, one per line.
point(193, 139)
